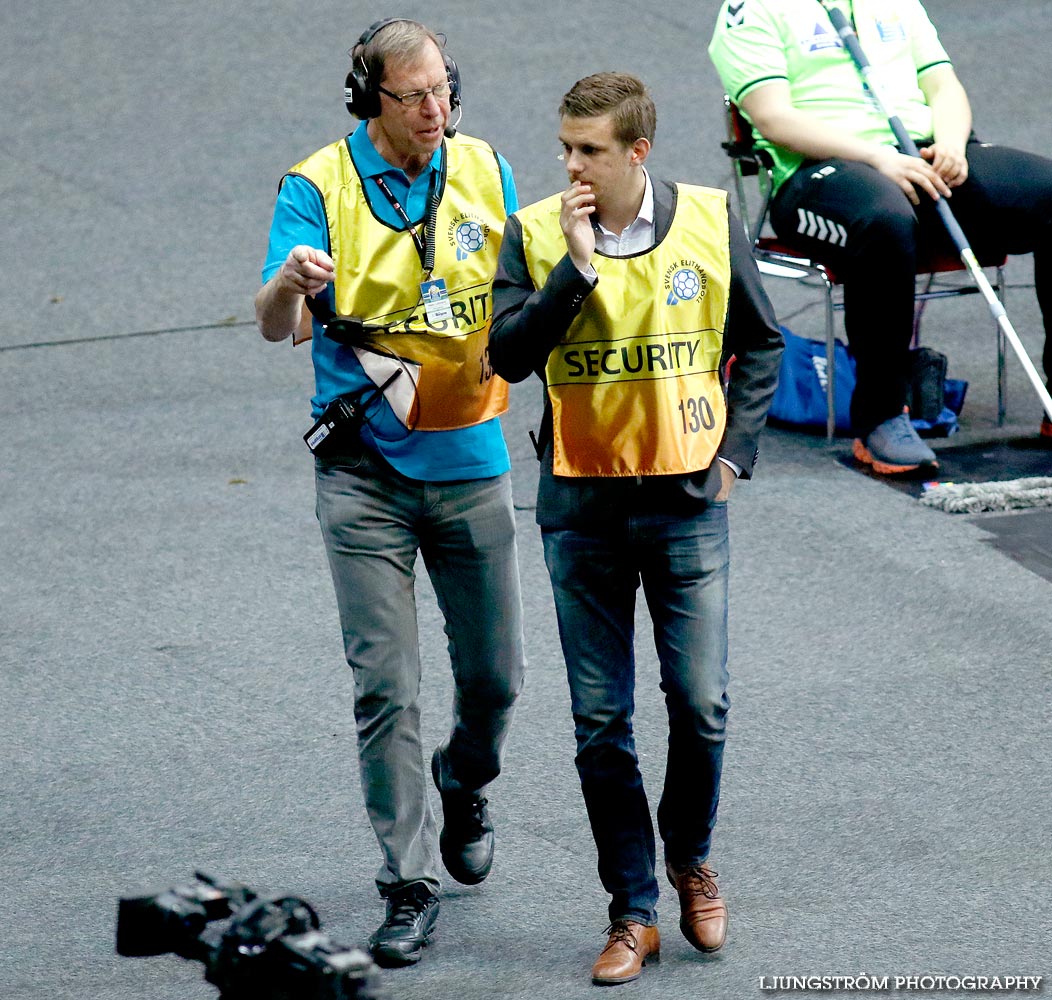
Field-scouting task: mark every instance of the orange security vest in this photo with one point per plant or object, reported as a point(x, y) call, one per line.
point(635, 384)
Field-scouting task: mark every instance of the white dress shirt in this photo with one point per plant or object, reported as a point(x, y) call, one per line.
point(634, 238)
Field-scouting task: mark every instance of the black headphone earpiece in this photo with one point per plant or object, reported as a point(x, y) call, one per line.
point(453, 74)
point(362, 95)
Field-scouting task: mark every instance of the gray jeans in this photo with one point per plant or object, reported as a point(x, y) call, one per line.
point(373, 523)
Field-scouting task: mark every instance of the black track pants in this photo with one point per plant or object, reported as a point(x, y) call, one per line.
point(856, 220)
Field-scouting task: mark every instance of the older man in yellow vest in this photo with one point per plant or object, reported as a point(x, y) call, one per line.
point(392, 233)
point(628, 296)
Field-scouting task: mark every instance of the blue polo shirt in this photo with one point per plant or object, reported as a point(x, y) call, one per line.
point(476, 452)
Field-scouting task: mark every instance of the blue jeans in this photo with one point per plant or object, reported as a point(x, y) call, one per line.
point(374, 522)
point(682, 562)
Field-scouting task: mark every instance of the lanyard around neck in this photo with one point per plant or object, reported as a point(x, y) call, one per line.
point(424, 239)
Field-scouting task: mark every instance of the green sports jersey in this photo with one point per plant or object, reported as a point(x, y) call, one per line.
point(759, 41)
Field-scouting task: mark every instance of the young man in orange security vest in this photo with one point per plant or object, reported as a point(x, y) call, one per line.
point(628, 295)
point(393, 231)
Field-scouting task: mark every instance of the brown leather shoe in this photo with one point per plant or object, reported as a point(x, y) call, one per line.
point(703, 912)
point(629, 948)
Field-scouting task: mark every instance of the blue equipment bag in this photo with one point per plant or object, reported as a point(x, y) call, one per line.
point(800, 398)
point(801, 394)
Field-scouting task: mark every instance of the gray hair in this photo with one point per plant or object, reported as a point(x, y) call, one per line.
point(398, 41)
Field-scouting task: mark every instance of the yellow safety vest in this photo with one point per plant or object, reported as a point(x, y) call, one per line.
point(378, 275)
point(635, 384)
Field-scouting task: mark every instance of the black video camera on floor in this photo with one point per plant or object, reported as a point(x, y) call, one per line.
point(253, 947)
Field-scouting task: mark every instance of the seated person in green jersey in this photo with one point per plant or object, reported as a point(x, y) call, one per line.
point(836, 161)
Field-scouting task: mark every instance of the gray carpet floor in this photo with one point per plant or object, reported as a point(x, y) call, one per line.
point(172, 688)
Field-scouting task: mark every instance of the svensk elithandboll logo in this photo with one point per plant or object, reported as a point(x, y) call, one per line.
point(684, 283)
point(468, 235)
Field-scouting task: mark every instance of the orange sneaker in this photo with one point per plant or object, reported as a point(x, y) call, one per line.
point(894, 447)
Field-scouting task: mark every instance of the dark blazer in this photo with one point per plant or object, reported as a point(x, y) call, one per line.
point(528, 322)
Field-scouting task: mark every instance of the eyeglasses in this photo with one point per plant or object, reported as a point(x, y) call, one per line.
point(415, 98)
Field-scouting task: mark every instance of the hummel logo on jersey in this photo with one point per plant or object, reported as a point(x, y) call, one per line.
point(735, 13)
point(820, 229)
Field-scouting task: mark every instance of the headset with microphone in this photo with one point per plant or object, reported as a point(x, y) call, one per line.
point(362, 95)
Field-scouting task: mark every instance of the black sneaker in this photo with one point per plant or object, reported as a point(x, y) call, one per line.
point(466, 841)
point(411, 915)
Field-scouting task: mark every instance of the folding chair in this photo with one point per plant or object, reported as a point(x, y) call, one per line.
point(777, 258)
